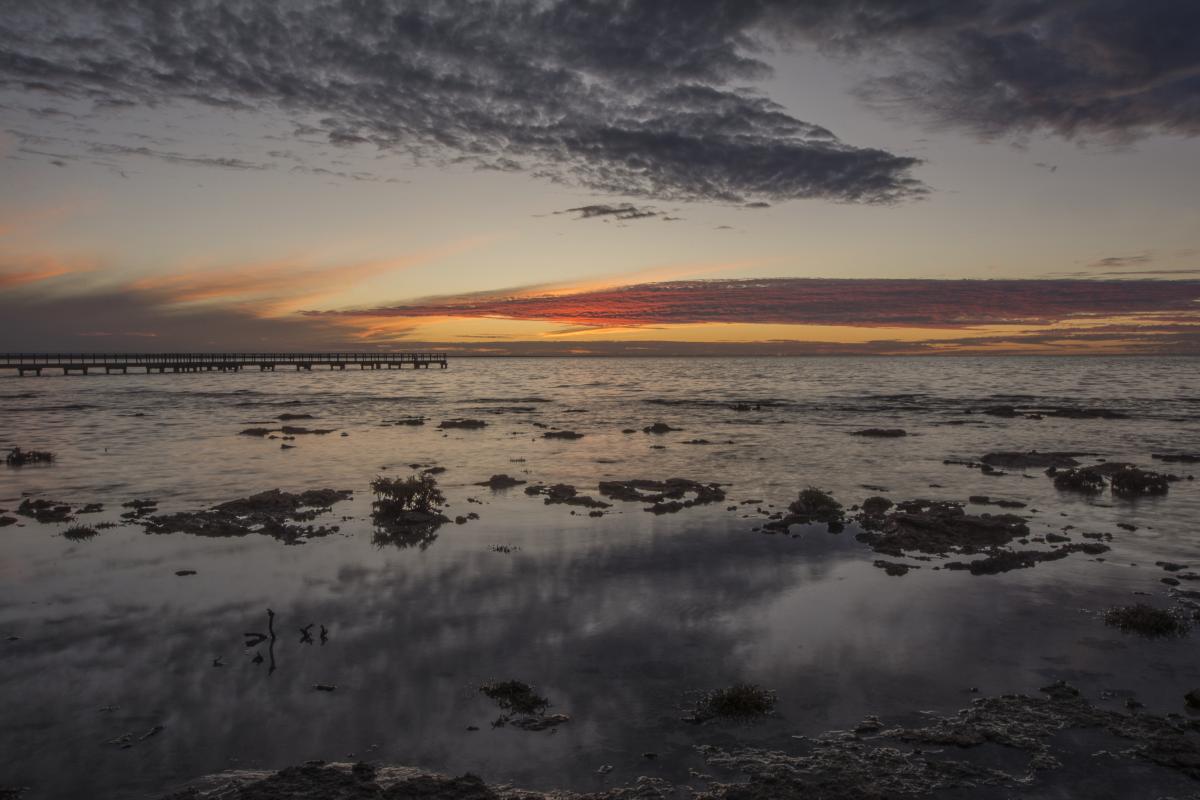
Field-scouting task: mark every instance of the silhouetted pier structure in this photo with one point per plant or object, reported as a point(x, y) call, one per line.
point(82, 363)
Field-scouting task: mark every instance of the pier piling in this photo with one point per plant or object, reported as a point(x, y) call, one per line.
point(81, 363)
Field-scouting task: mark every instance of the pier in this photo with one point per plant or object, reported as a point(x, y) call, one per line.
point(83, 363)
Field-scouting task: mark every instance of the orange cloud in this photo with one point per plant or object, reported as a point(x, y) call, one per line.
point(40, 268)
point(818, 301)
point(280, 286)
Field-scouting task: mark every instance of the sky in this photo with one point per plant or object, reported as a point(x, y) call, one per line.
point(686, 177)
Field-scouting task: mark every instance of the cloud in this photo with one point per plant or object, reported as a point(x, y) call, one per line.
point(24, 270)
point(224, 162)
point(131, 320)
point(817, 301)
point(1122, 261)
point(279, 286)
point(620, 211)
point(1108, 69)
point(940, 317)
point(635, 99)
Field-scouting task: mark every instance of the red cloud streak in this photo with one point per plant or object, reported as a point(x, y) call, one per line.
point(820, 301)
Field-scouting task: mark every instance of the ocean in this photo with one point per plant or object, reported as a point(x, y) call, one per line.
point(120, 678)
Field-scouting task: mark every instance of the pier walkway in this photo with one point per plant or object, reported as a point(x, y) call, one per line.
point(82, 363)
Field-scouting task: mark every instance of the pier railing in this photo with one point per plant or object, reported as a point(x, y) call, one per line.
point(82, 363)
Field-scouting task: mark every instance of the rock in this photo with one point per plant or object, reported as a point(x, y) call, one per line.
point(568, 435)
point(272, 513)
point(290, 417)
point(19, 458)
point(185, 572)
point(539, 723)
point(564, 494)
point(45, 511)
point(894, 568)
point(1177, 458)
point(659, 427)
point(1135, 482)
point(869, 724)
point(464, 424)
point(876, 506)
point(881, 433)
point(930, 526)
point(1081, 479)
point(666, 496)
point(255, 432)
point(742, 702)
point(1147, 621)
point(501, 481)
point(1030, 460)
point(984, 500)
point(1192, 698)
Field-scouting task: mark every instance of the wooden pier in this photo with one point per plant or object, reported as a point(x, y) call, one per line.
point(82, 363)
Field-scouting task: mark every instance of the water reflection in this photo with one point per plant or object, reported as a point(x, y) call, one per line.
point(615, 623)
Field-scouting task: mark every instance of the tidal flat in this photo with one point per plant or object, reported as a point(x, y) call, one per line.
point(754, 578)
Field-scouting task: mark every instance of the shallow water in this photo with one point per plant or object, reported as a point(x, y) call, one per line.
point(619, 620)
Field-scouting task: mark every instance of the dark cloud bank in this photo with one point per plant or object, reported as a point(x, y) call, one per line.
point(1131, 316)
point(633, 98)
point(821, 301)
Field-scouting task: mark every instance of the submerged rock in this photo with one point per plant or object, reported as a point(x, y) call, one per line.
point(568, 435)
point(523, 707)
point(564, 494)
point(1177, 458)
point(985, 500)
point(1148, 621)
point(1031, 460)
point(659, 427)
point(272, 513)
point(1081, 479)
point(665, 497)
point(940, 527)
point(45, 511)
point(876, 505)
point(812, 505)
point(501, 481)
point(1134, 482)
point(881, 433)
point(740, 702)
point(894, 568)
point(515, 696)
point(260, 432)
point(18, 458)
point(1000, 560)
point(464, 424)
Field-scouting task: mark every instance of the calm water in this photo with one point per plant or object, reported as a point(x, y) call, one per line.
point(618, 620)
